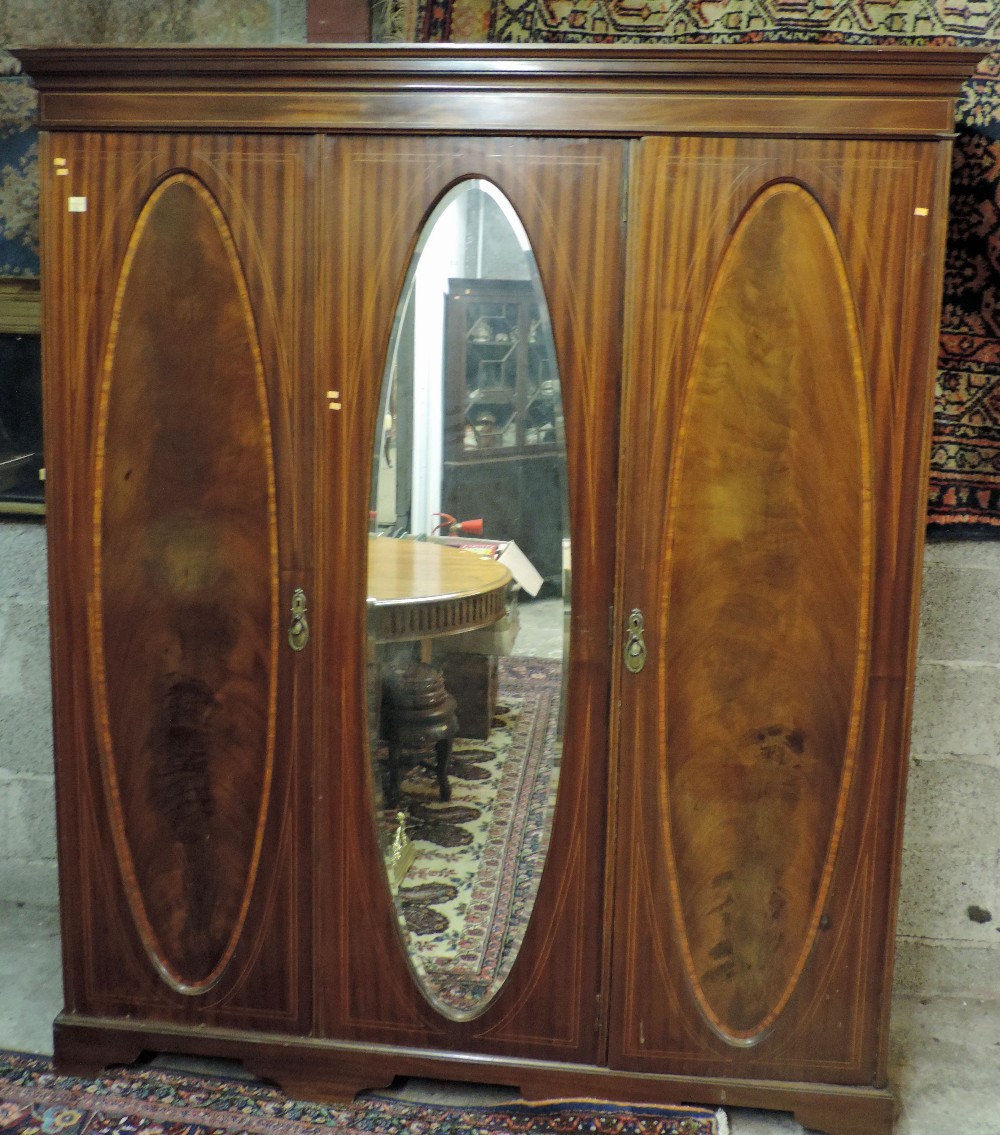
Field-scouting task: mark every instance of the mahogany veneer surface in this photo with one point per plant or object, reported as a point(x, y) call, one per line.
point(186, 615)
point(787, 399)
point(740, 250)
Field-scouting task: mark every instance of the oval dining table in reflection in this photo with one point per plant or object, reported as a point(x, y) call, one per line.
point(419, 590)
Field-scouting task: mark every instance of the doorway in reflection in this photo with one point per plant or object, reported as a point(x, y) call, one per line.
point(466, 706)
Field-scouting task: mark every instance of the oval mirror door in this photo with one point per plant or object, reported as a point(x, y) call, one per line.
point(468, 585)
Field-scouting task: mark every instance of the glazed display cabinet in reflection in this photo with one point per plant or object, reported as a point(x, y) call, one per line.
point(505, 436)
point(711, 379)
point(503, 389)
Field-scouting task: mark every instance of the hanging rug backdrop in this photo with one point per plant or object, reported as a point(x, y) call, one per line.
point(467, 898)
point(34, 1100)
point(691, 21)
point(965, 459)
point(965, 454)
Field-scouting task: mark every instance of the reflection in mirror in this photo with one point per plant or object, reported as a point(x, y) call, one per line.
point(468, 584)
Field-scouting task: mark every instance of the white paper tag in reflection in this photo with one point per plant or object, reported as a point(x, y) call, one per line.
point(521, 568)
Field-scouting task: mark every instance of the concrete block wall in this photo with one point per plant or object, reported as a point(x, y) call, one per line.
point(27, 803)
point(949, 913)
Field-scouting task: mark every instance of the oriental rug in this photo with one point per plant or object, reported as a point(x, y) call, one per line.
point(965, 454)
point(913, 22)
point(34, 1100)
point(467, 897)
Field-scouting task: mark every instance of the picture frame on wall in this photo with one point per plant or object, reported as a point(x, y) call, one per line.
point(22, 488)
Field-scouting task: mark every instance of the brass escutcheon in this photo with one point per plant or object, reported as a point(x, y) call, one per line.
point(635, 644)
point(298, 629)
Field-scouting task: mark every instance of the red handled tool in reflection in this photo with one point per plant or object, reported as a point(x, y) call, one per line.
point(452, 527)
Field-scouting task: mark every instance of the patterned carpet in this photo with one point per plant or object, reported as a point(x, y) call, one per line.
point(36, 1101)
point(913, 22)
point(467, 897)
point(965, 458)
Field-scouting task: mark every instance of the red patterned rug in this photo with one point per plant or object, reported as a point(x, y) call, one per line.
point(468, 896)
point(34, 1100)
point(913, 22)
point(965, 458)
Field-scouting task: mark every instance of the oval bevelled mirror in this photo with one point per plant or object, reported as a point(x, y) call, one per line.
point(468, 591)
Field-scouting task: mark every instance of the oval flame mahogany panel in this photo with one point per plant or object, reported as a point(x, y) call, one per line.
point(185, 611)
point(766, 623)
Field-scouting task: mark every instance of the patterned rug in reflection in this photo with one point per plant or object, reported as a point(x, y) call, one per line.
point(467, 897)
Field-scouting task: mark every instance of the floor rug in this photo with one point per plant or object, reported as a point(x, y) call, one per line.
point(34, 1100)
point(468, 896)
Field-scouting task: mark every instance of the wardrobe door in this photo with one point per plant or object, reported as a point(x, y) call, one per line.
point(178, 536)
point(379, 195)
point(780, 299)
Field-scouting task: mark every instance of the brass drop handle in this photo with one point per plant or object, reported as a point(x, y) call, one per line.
point(298, 628)
point(635, 643)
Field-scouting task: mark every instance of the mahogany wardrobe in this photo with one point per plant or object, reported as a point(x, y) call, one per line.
point(737, 256)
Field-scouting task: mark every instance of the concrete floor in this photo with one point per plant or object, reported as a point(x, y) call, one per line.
point(945, 1065)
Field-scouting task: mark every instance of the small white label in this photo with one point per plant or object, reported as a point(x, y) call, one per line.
point(77, 204)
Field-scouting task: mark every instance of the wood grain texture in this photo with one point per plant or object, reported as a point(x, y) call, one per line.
point(765, 613)
point(331, 1070)
point(873, 195)
point(109, 967)
point(324, 165)
point(185, 616)
point(423, 590)
point(378, 193)
point(528, 89)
